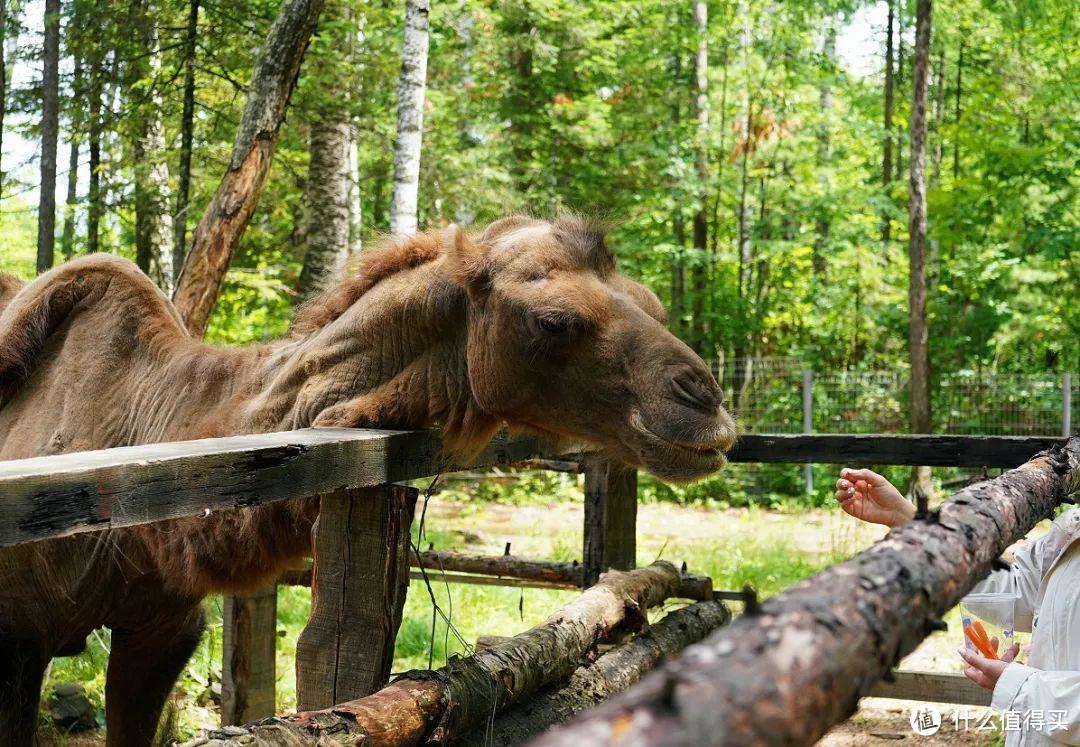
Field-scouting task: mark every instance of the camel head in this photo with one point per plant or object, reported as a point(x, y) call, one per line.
point(559, 342)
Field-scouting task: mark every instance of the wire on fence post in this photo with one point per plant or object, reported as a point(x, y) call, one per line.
point(808, 424)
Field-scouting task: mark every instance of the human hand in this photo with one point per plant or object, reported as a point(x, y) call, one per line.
point(868, 496)
point(986, 672)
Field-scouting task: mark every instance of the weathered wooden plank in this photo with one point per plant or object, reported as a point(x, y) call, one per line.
point(787, 671)
point(359, 580)
point(932, 687)
point(54, 496)
point(610, 534)
point(888, 448)
point(249, 639)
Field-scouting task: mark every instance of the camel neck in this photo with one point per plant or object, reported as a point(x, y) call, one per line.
point(395, 358)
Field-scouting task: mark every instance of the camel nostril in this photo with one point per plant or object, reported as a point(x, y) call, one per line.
point(693, 392)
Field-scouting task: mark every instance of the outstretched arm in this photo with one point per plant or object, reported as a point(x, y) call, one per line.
point(868, 496)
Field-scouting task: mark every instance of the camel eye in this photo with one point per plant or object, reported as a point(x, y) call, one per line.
point(552, 325)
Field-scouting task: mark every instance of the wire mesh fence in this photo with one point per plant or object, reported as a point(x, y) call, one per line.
point(770, 395)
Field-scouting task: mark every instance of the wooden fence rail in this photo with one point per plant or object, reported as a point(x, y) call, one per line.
point(798, 664)
point(55, 496)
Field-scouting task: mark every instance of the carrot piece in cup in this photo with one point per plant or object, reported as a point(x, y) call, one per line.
point(977, 636)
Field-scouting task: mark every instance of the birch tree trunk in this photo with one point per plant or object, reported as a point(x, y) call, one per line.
point(3, 81)
point(935, 159)
point(50, 130)
point(187, 134)
point(328, 204)
point(823, 222)
point(411, 84)
point(153, 249)
point(701, 225)
point(223, 223)
point(887, 142)
point(918, 328)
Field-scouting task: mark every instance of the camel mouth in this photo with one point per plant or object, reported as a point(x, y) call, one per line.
point(677, 460)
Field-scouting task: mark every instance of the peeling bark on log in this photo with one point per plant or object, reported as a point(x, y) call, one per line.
point(612, 673)
point(436, 707)
point(787, 674)
point(231, 207)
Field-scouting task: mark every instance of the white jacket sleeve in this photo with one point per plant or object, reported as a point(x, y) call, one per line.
point(1051, 700)
point(1021, 583)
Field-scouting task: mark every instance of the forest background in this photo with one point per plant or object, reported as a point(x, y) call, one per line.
point(754, 157)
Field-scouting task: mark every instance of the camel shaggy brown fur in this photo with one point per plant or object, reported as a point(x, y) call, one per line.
point(527, 323)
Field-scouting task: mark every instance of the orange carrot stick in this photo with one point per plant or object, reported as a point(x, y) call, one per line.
point(979, 641)
point(986, 639)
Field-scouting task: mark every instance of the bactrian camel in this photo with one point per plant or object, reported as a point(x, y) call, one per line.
point(527, 324)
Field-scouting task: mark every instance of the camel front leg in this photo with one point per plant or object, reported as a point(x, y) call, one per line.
point(143, 667)
point(22, 666)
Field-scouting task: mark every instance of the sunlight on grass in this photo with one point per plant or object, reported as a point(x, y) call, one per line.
point(766, 549)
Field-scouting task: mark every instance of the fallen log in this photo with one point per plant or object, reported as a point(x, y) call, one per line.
point(594, 683)
point(787, 673)
point(435, 707)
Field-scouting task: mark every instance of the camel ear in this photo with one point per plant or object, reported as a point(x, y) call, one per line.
point(470, 265)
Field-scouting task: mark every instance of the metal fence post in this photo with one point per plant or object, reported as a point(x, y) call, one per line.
point(1066, 405)
point(808, 424)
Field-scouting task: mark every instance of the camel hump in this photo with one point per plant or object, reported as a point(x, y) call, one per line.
point(9, 287)
point(38, 309)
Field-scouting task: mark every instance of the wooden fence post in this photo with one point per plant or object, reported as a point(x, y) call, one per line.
point(808, 426)
point(610, 518)
point(249, 639)
point(359, 579)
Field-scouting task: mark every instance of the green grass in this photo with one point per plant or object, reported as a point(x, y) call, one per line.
point(768, 549)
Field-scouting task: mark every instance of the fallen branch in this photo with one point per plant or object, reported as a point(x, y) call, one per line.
point(610, 674)
point(435, 707)
point(500, 565)
point(799, 666)
point(508, 570)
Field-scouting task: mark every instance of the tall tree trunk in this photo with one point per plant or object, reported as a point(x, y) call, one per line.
point(153, 248)
point(956, 112)
point(745, 245)
point(3, 81)
point(93, 191)
point(50, 130)
point(887, 143)
point(328, 205)
point(231, 207)
point(327, 187)
point(187, 136)
point(410, 119)
point(823, 221)
point(935, 160)
point(703, 262)
point(918, 330)
point(898, 86)
point(67, 238)
point(678, 224)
